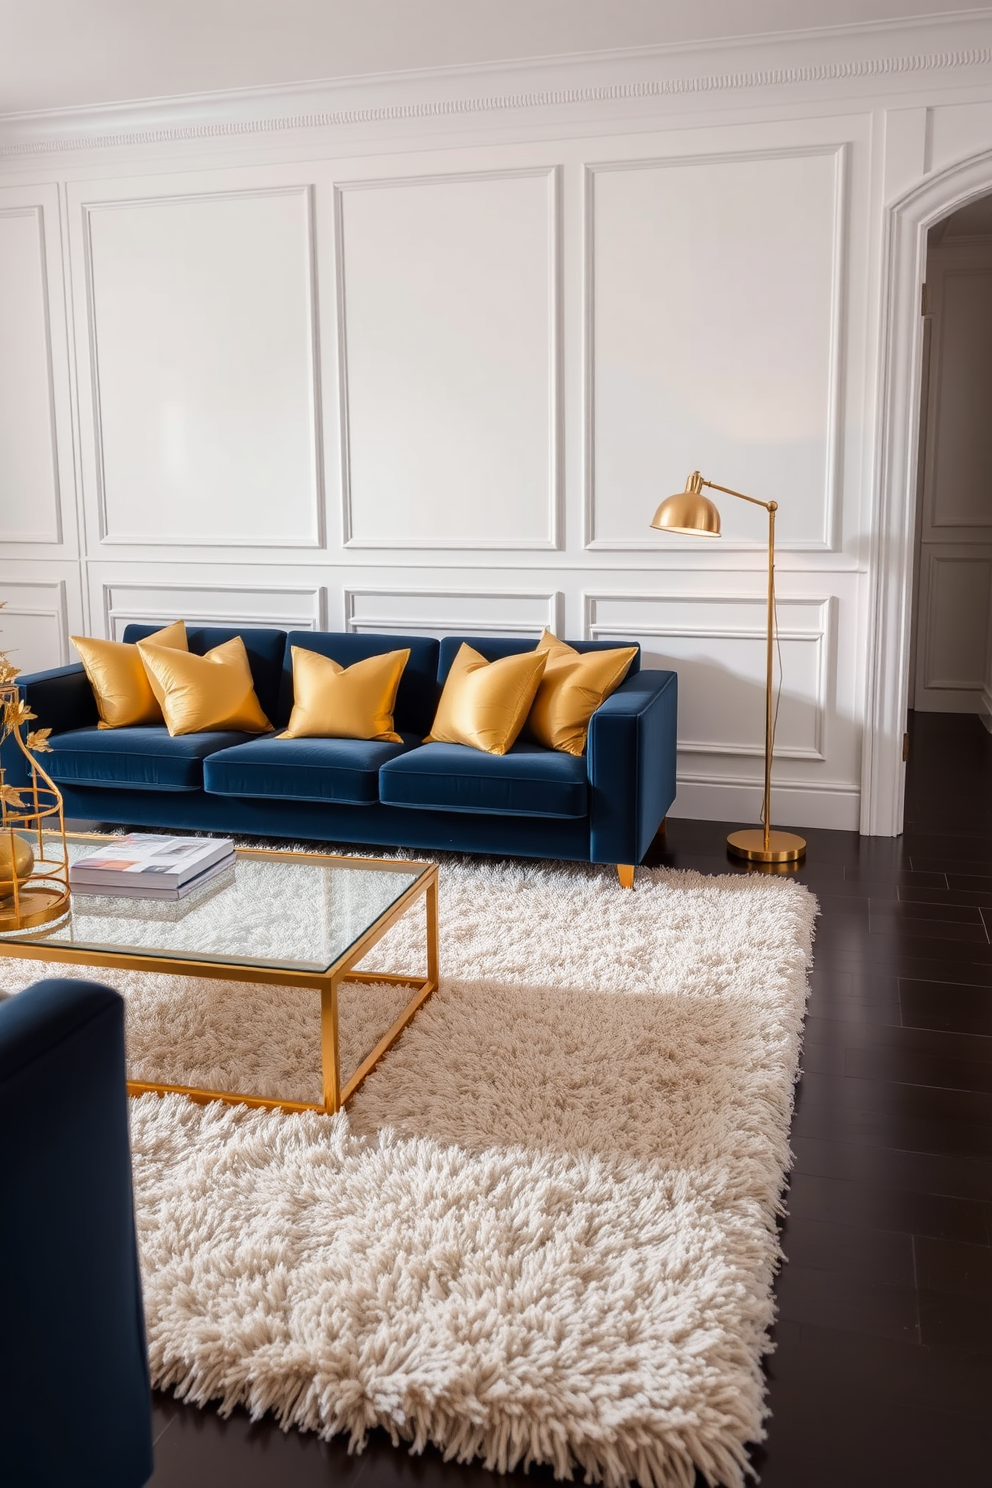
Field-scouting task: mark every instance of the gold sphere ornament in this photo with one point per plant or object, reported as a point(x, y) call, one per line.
point(16, 862)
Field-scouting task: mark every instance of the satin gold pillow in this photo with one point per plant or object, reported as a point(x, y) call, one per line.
point(572, 688)
point(484, 703)
point(335, 702)
point(205, 692)
point(123, 693)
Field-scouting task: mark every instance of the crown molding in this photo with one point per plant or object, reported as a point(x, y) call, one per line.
point(956, 48)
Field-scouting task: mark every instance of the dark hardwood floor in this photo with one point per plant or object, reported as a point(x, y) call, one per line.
point(882, 1372)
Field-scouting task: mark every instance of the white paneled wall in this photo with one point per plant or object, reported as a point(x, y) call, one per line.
point(415, 361)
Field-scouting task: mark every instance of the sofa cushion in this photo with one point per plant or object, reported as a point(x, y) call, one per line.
point(416, 700)
point(493, 648)
point(266, 652)
point(128, 757)
point(342, 770)
point(528, 781)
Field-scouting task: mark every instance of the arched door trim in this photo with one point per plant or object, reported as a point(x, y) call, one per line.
point(890, 564)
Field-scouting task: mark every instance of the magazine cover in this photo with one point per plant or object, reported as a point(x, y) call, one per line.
point(146, 858)
point(121, 885)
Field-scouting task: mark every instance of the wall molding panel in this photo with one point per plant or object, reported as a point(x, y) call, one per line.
point(483, 378)
point(730, 633)
point(453, 611)
point(37, 485)
point(34, 622)
point(155, 600)
point(160, 443)
point(955, 610)
point(694, 352)
point(13, 407)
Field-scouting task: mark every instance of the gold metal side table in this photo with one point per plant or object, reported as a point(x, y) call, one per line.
point(286, 919)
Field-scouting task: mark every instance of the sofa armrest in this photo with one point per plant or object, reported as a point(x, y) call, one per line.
point(68, 1250)
point(631, 757)
point(61, 699)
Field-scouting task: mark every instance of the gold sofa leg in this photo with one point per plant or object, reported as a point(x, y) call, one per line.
point(625, 873)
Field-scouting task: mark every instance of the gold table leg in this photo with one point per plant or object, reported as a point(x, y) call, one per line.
point(422, 990)
point(430, 905)
point(330, 1052)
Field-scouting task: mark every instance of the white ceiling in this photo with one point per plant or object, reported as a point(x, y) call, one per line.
point(64, 53)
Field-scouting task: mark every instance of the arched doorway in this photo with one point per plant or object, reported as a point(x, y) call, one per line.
point(953, 569)
point(892, 536)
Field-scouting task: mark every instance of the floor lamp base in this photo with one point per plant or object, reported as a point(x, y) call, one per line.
point(783, 847)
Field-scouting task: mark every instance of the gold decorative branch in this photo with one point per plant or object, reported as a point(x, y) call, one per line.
point(14, 711)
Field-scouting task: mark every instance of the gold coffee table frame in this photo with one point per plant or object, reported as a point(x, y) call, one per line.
point(326, 983)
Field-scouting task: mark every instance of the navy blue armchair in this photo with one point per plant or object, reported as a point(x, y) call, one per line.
point(75, 1401)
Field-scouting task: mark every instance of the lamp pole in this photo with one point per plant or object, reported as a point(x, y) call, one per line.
point(769, 676)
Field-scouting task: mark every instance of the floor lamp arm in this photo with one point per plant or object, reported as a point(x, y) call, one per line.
point(769, 506)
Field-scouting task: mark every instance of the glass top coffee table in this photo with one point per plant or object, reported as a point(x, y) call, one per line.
point(288, 919)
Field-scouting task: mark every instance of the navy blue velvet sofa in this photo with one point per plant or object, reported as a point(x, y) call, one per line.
point(604, 807)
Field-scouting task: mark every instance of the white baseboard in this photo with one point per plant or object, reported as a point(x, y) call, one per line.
point(792, 806)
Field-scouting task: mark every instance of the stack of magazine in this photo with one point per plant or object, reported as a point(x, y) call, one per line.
point(145, 866)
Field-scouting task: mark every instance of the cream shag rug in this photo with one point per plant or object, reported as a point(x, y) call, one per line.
point(545, 1229)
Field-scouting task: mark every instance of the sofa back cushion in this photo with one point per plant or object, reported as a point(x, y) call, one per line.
point(416, 701)
point(266, 653)
point(495, 647)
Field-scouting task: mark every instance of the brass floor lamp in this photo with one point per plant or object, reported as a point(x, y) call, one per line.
point(694, 515)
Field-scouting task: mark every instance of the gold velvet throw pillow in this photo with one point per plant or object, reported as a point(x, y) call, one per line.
point(572, 688)
point(121, 687)
point(335, 702)
point(484, 703)
point(205, 692)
